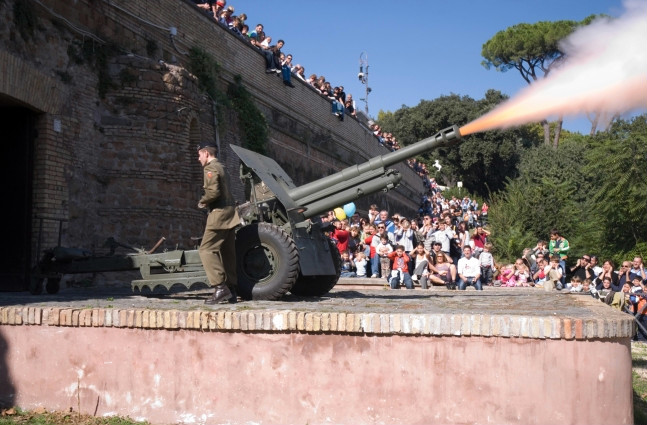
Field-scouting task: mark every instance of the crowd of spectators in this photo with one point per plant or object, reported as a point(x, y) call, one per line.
point(275, 60)
point(389, 141)
point(440, 246)
point(545, 266)
point(342, 103)
point(447, 244)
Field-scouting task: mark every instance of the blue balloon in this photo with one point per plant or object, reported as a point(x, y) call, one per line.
point(349, 209)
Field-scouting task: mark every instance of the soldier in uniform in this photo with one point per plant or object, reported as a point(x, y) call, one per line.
point(218, 248)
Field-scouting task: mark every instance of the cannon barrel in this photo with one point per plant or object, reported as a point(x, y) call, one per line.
point(343, 193)
point(443, 138)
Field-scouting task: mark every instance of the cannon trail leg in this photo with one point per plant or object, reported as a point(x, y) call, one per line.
point(316, 286)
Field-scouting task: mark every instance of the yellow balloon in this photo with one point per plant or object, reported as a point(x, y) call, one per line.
point(339, 213)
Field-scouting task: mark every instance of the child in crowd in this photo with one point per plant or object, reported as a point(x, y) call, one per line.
point(554, 275)
point(354, 241)
point(602, 285)
point(347, 265)
point(383, 249)
point(541, 248)
point(575, 285)
point(605, 288)
point(587, 284)
point(506, 276)
point(621, 299)
point(539, 277)
point(637, 284)
point(487, 264)
point(360, 264)
point(400, 271)
point(521, 273)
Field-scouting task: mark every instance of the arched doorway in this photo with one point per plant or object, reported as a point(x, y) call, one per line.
point(16, 167)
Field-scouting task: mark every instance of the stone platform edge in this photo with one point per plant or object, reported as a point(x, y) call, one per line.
point(485, 325)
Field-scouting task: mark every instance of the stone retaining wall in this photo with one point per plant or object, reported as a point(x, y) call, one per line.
point(360, 357)
point(123, 164)
point(507, 326)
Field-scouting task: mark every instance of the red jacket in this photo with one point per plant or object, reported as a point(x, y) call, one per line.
point(368, 241)
point(342, 239)
point(399, 263)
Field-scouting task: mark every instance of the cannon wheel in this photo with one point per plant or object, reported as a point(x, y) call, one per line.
point(267, 262)
point(316, 286)
point(53, 285)
point(37, 281)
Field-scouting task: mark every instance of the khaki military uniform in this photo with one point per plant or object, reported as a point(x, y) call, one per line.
point(218, 249)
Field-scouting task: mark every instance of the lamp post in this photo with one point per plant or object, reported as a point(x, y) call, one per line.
point(363, 78)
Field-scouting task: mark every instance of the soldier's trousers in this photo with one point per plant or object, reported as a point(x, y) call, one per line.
point(218, 254)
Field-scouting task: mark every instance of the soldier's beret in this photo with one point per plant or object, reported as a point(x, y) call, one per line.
point(206, 144)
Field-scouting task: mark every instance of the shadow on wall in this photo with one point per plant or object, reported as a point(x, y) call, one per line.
point(7, 391)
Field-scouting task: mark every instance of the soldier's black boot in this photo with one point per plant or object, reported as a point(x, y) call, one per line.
point(234, 296)
point(220, 295)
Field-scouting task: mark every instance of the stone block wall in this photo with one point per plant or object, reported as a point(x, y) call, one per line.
point(124, 164)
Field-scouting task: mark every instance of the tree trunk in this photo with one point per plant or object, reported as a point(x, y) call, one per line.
point(613, 118)
point(546, 126)
point(594, 124)
point(558, 132)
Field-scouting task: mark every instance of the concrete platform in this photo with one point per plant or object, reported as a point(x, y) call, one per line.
point(360, 356)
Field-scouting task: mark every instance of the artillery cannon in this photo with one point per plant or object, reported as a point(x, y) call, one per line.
point(282, 244)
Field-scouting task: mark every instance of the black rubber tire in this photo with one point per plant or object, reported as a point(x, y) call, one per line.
point(267, 262)
point(53, 285)
point(316, 286)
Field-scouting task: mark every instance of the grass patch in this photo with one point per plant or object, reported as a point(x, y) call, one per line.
point(40, 416)
point(639, 378)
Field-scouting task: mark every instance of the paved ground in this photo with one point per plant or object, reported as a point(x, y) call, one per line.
point(373, 297)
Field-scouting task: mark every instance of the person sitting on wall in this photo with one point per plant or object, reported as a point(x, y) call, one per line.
point(349, 106)
point(400, 269)
point(255, 35)
point(286, 70)
point(337, 104)
point(300, 72)
point(273, 57)
point(227, 17)
point(469, 271)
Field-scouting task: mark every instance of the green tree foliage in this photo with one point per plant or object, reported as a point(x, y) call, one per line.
point(617, 161)
point(481, 161)
point(593, 189)
point(531, 49)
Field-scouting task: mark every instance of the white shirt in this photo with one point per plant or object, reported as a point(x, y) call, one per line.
point(361, 267)
point(442, 237)
point(469, 268)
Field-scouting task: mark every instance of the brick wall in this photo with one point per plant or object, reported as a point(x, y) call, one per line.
point(125, 165)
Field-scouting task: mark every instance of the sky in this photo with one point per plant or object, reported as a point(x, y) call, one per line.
point(416, 50)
